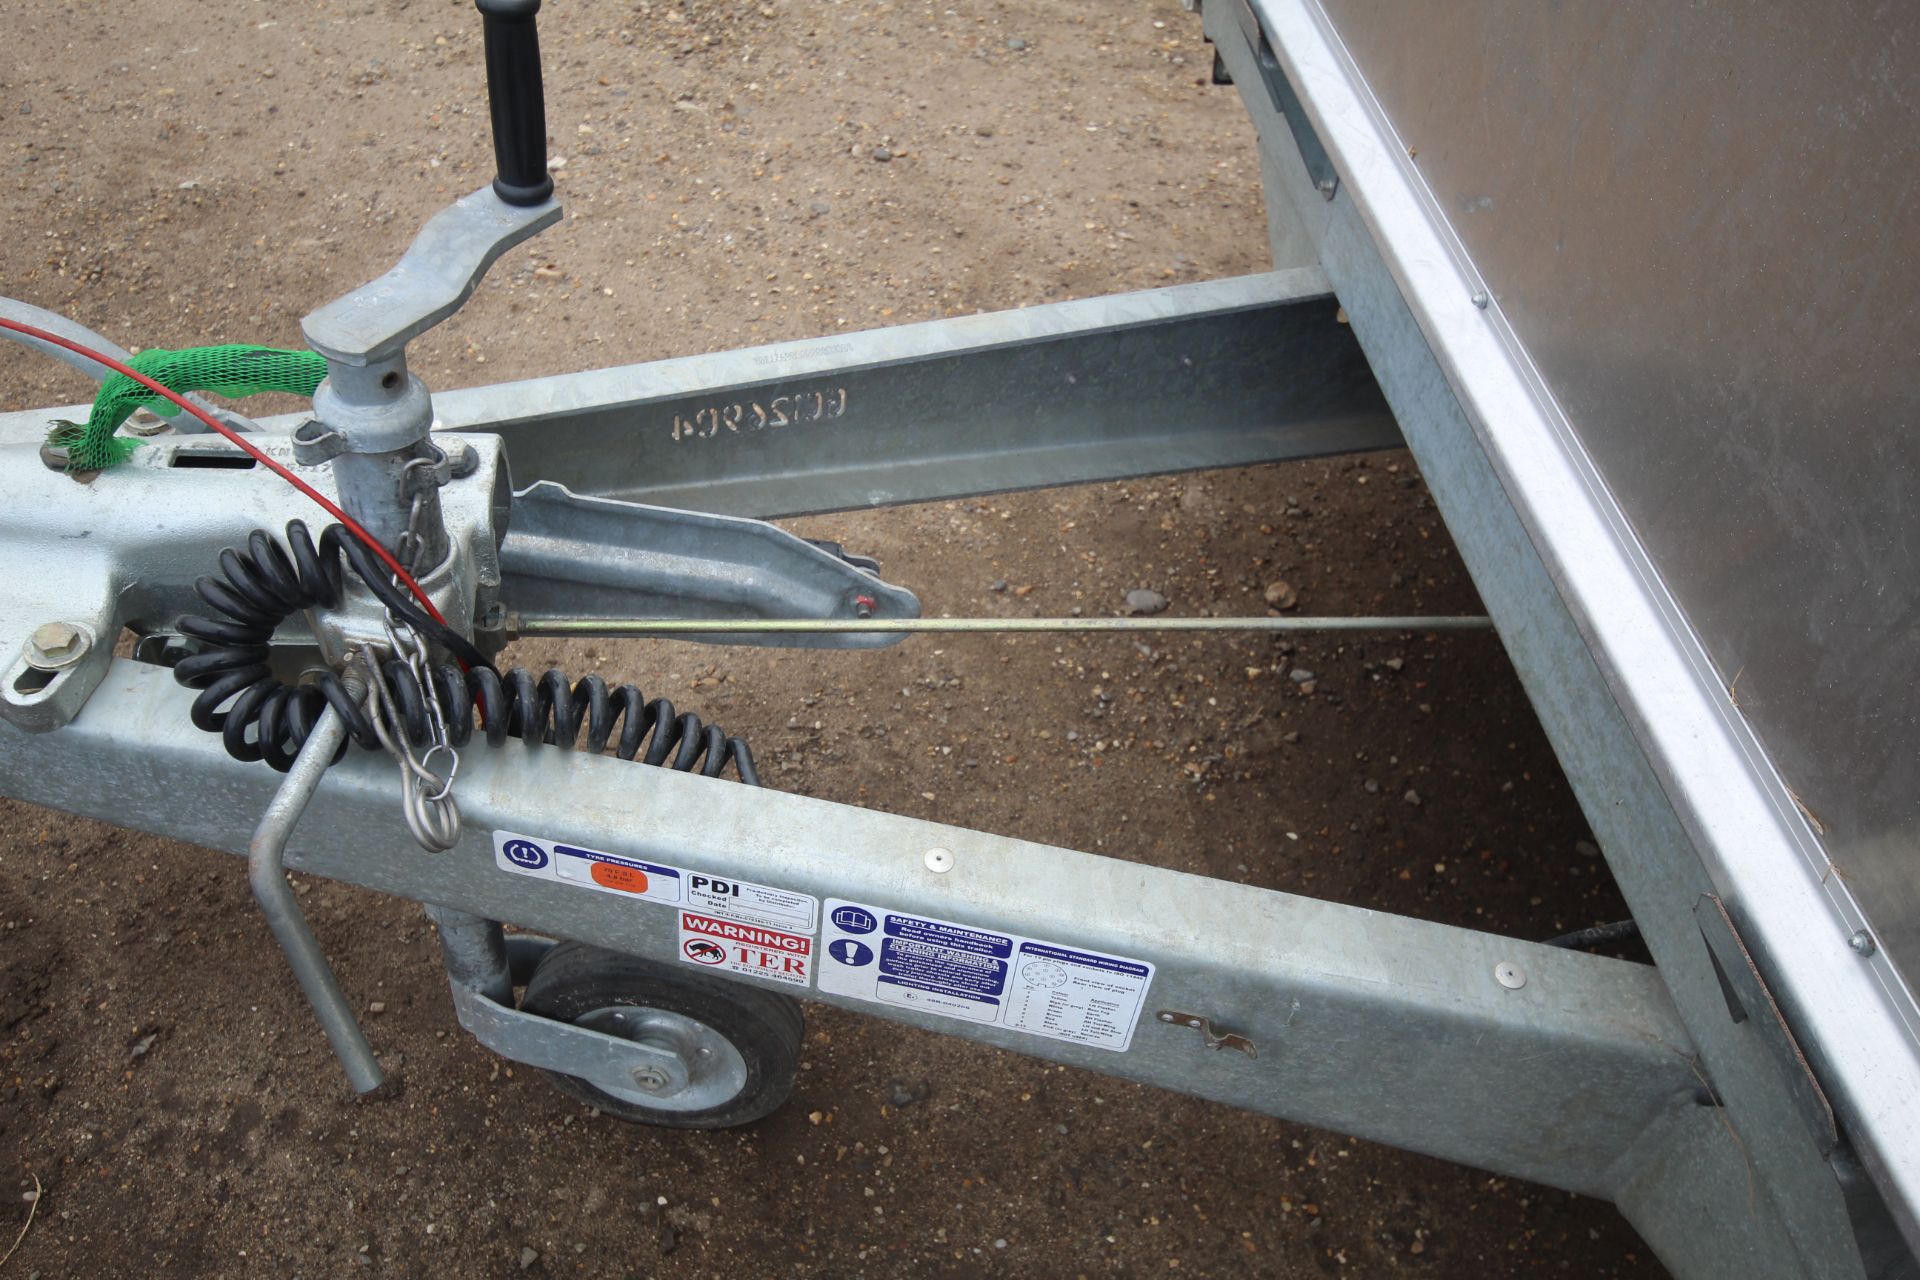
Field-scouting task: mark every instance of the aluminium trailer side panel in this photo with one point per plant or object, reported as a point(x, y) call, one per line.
point(1701, 224)
point(1644, 451)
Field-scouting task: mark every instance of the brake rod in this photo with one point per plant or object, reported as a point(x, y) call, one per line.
point(555, 625)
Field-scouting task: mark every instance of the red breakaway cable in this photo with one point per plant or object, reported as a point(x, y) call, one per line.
point(353, 526)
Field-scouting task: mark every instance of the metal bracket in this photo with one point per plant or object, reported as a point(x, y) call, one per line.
point(315, 445)
point(607, 1062)
point(1208, 1037)
point(40, 691)
point(1272, 75)
point(600, 558)
point(1750, 1001)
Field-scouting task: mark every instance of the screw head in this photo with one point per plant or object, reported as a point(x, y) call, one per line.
point(1863, 943)
point(1510, 975)
point(55, 645)
point(1481, 300)
point(939, 861)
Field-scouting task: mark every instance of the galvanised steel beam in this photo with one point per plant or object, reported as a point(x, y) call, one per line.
point(1226, 373)
point(1524, 1059)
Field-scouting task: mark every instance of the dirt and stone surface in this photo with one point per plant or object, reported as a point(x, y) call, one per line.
point(738, 172)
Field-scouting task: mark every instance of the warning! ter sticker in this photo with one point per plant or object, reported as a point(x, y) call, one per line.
point(958, 971)
point(746, 949)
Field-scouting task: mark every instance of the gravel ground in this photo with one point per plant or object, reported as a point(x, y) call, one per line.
point(738, 173)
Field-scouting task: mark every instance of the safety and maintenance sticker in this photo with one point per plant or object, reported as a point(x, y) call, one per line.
point(751, 949)
point(746, 928)
point(958, 971)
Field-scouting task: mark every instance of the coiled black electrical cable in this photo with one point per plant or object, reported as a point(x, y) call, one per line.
point(266, 719)
point(257, 591)
point(553, 709)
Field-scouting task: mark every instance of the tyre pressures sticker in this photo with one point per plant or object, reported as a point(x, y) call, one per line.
point(725, 924)
point(958, 971)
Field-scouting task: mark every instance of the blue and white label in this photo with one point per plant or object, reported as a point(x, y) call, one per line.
point(855, 920)
point(628, 877)
point(852, 954)
point(979, 975)
point(524, 855)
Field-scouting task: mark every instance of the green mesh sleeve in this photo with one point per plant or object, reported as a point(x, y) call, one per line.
point(233, 371)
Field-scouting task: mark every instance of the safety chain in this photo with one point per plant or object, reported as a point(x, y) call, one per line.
point(426, 797)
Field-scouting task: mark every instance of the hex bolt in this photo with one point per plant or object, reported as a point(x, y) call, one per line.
point(939, 861)
point(145, 422)
point(1863, 942)
point(1510, 975)
point(863, 606)
point(652, 1079)
point(57, 645)
point(463, 458)
point(1326, 187)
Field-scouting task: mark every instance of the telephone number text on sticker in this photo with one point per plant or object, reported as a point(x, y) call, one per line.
point(748, 950)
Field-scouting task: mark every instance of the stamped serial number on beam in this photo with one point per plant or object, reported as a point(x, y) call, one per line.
point(752, 415)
